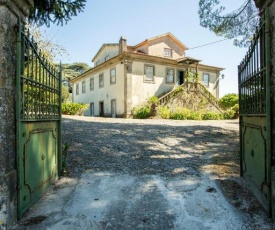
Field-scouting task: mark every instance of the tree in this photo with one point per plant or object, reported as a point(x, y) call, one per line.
point(229, 100)
point(239, 24)
point(56, 11)
point(72, 70)
point(65, 94)
point(44, 43)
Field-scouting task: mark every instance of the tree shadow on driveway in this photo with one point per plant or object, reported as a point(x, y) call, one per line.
point(150, 174)
point(167, 148)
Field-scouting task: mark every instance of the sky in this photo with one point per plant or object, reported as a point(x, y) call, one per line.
point(106, 21)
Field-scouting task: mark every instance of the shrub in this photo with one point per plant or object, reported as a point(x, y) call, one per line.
point(73, 108)
point(164, 112)
point(229, 100)
point(211, 116)
point(152, 100)
point(177, 90)
point(142, 112)
point(228, 114)
point(180, 114)
point(236, 108)
point(195, 116)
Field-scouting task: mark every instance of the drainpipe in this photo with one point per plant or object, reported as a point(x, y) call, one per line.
point(125, 87)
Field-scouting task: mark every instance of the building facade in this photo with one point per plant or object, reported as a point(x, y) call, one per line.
point(124, 77)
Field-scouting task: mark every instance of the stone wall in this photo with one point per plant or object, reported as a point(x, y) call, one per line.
point(10, 12)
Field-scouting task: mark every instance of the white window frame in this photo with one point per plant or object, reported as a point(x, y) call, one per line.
point(170, 79)
point(77, 89)
point(83, 86)
point(149, 73)
point(204, 80)
point(113, 76)
point(92, 83)
point(168, 52)
point(101, 80)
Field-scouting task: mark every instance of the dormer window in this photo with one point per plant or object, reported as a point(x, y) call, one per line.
point(97, 63)
point(107, 58)
point(167, 52)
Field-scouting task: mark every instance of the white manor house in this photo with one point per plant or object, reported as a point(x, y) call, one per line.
point(124, 77)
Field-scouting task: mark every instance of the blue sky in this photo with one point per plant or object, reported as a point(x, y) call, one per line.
point(106, 21)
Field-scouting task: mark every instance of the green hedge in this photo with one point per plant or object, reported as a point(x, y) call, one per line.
point(73, 108)
point(195, 116)
point(164, 112)
point(229, 114)
point(212, 116)
point(180, 114)
point(142, 112)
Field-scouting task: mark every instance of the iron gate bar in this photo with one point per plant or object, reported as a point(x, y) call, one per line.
point(38, 120)
point(268, 100)
point(255, 113)
point(36, 105)
point(252, 87)
point(60, 120)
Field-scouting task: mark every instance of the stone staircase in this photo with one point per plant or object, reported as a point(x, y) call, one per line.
point(192, 87)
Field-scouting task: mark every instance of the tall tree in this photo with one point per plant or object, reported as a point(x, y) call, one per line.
point(72, 70)
point(56, 11)
point(238, 25)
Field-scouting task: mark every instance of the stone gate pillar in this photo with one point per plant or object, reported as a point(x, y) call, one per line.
point(272, 92)
point(10, 12)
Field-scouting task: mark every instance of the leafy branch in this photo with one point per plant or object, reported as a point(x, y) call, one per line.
point(238, 25)
point(56, 11)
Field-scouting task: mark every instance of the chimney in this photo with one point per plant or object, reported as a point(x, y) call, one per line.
point(122, 45)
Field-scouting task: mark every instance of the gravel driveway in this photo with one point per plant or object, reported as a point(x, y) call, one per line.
point(146, 147)
point(146, 174)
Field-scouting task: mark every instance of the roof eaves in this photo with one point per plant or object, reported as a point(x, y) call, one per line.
point(213, 67)
point(163, 35)
point(102, 47)
point(93, 69)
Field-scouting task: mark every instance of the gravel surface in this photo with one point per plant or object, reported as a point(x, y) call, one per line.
point(137, 147)
point(167, 148)
point(192, 168)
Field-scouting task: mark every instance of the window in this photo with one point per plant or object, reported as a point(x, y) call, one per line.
point(77, 89)
point(92, 83)
point(113, 76)
point(205, 79)
point(167, 52)
point(84, 87)
point(101, 80)
point(149, 72)
point(107, 58)
point(170, 75)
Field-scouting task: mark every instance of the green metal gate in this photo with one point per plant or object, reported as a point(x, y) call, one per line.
point(38, 114)
point(255, 121)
